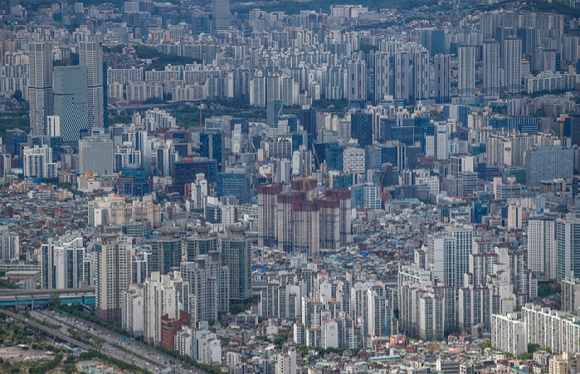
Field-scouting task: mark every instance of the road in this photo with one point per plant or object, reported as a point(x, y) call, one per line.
point(64, 335)
point(46, 329)
point(112, 343)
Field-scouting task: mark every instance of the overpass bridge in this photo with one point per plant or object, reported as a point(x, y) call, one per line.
point(15, 298)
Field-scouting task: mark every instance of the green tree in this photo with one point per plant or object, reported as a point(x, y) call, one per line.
point(17, 95)
point(532, 347)
point(485, 344)
point(54, 300)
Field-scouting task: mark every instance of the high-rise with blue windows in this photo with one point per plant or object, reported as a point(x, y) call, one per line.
point(212, 146)
point(361, 128)
point(71, 101)
point(235, 182)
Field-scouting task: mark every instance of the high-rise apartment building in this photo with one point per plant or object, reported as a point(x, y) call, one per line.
point(357, 78)
point(570, 293)
point(113, 274)
point(542, 246)
point(37, 162)
point(442, 78)
point(382, 75)
point(132, 307)
point(201, 244)
point(491, 69)
point(236, 252)
point(209, 287)
point(286, 363)
point(508, 333)
point(567, 247)
point(466, 70)
point(160, 299)
point(91, 57)
point(40, 94)
point(63, 263)
point(512, 64)
point(449, 254)
point(9, 246)
point(421, 75)
point(165, 255)
point(267, 202)
point(71, 101)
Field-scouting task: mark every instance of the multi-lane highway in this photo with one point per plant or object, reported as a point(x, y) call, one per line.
point(156, 361)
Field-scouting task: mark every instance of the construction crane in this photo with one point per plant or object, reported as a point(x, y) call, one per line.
point(383, 177)
point(306, 179)
point(168, 194)
point(200, 116)
point(324, 179)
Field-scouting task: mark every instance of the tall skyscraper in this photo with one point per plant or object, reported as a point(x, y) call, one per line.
point(466, 68)
point(512, 65)
point(308, 120)
point(71, 101)
point(40, 93)
point(491, 69)
point(442, 78)
point(273, 112)
point(221, 15)
point(113, 274)
point(361, 128)
point(91, 56)
point(212, 146)
point(236, 252)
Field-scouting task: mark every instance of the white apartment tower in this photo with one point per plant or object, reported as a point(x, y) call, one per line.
point(357, 87)
point(512, 65)
point(466, 64)
point(113, 274)
point(91, 56)
point(160, 298)
point(286, 363)
point(40, 94)
point(542, 246)
point(38, 162)
point(491, 69)
point(442, 78)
